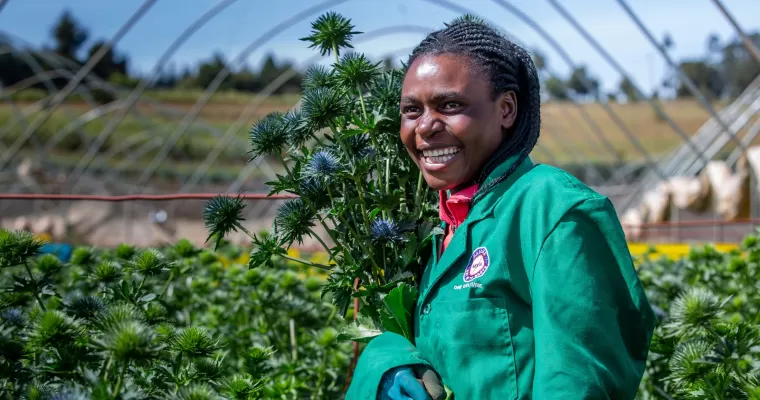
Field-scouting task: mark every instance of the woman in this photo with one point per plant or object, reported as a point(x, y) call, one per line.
point(531, 293)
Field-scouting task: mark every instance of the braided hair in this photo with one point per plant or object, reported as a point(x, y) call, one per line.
point(508, 67)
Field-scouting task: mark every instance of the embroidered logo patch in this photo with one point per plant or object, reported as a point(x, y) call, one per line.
point(478, 264)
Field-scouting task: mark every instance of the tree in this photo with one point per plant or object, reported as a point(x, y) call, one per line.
point(738, 65)
point(556, 89)
point(69, 36)
point(705, 77)
point(628, 89)
point(208, 70)
point(582, 84)
point(109, 64)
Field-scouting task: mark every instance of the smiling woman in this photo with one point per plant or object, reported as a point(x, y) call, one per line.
point(531, 293)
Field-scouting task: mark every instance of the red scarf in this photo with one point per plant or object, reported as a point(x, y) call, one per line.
point(453, 211)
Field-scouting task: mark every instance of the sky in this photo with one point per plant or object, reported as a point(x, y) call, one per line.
point(236, 31)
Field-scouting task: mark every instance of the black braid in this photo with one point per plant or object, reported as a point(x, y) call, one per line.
point(509, 67)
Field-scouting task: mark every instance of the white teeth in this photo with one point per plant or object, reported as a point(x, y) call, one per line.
point(440, 152)
point(439, 159)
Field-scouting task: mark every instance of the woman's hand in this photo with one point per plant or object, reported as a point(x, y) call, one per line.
point(401, 384)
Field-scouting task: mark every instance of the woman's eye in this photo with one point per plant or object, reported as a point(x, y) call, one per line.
point(409, 109)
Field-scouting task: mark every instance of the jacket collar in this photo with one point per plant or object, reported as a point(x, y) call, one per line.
point(479, 211)
point(454, 207)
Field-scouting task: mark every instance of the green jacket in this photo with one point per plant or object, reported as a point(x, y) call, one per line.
point(553, 308)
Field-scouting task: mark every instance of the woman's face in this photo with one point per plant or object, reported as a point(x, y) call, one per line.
point(450, 124)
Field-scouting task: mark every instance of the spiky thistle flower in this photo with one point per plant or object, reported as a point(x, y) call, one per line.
point(125, 251)
point(116, 313)
point(131, 342)
point(385, 231)
point(268, 135)
point(17, 246)
point(13, 316)
point(223, 215)
point(86, 307)
point(197, 391)
point(323, 164)
point(185, 249)
point(54, 328)
point(299, 130)
point(293, 220)
point(330, 33)
point(195, 342)
point(467, 18)
point(315, 191)
point(356, 70)
point(360, 146)
point(48, 264)
point(694, 309)
point(150, 262)
point(83, 257)
point(242, 387)
point(318, 76)
point(107, 272)
point(322, 106)
point(386, 90)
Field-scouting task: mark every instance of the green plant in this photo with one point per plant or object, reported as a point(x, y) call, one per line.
point(707, 345)
point(354, 182)
point(161, 323)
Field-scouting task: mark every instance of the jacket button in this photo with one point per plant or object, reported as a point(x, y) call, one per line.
point(426, 309)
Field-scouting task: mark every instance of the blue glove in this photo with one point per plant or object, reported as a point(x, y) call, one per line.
point(401, 384)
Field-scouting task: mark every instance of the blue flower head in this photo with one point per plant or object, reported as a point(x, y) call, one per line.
point(13, 316)
point(323, 164)
point(385, 231)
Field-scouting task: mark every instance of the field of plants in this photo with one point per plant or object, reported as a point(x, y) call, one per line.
point(194, 323)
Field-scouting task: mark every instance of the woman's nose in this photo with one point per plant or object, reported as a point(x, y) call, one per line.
point(428, 126)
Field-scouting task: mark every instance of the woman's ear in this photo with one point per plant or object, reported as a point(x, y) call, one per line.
point(508, 109)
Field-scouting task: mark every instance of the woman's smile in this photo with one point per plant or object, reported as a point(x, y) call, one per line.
point(438, 158)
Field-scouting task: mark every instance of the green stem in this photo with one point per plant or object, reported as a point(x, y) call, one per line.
point(361, 101)
point(362, 203)
point(142, 282)
point(417, 193)
point(302, 261)
point(120, 381)
point(34, 282)
point(335, 51)
point(360, 242)
point(168, 281)
point(319, 239)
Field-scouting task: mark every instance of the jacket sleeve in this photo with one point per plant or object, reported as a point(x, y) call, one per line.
point(385, 352)
point(592, 321)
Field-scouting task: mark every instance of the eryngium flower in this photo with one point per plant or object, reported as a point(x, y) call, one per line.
point(386, 90)
point(385, 231)
point(315, 191)
point(360, 145)
point(268, 135)
point(322, 106)
point(150, 262)
point(317, 76)
point(86, 307)
point(355, 70)
point(299, 130)
point(222, 215)
point(293, 220)
point(13, 316)
point(17, 246)
point(323, 164)
point(331, 32)
point(195, 342)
